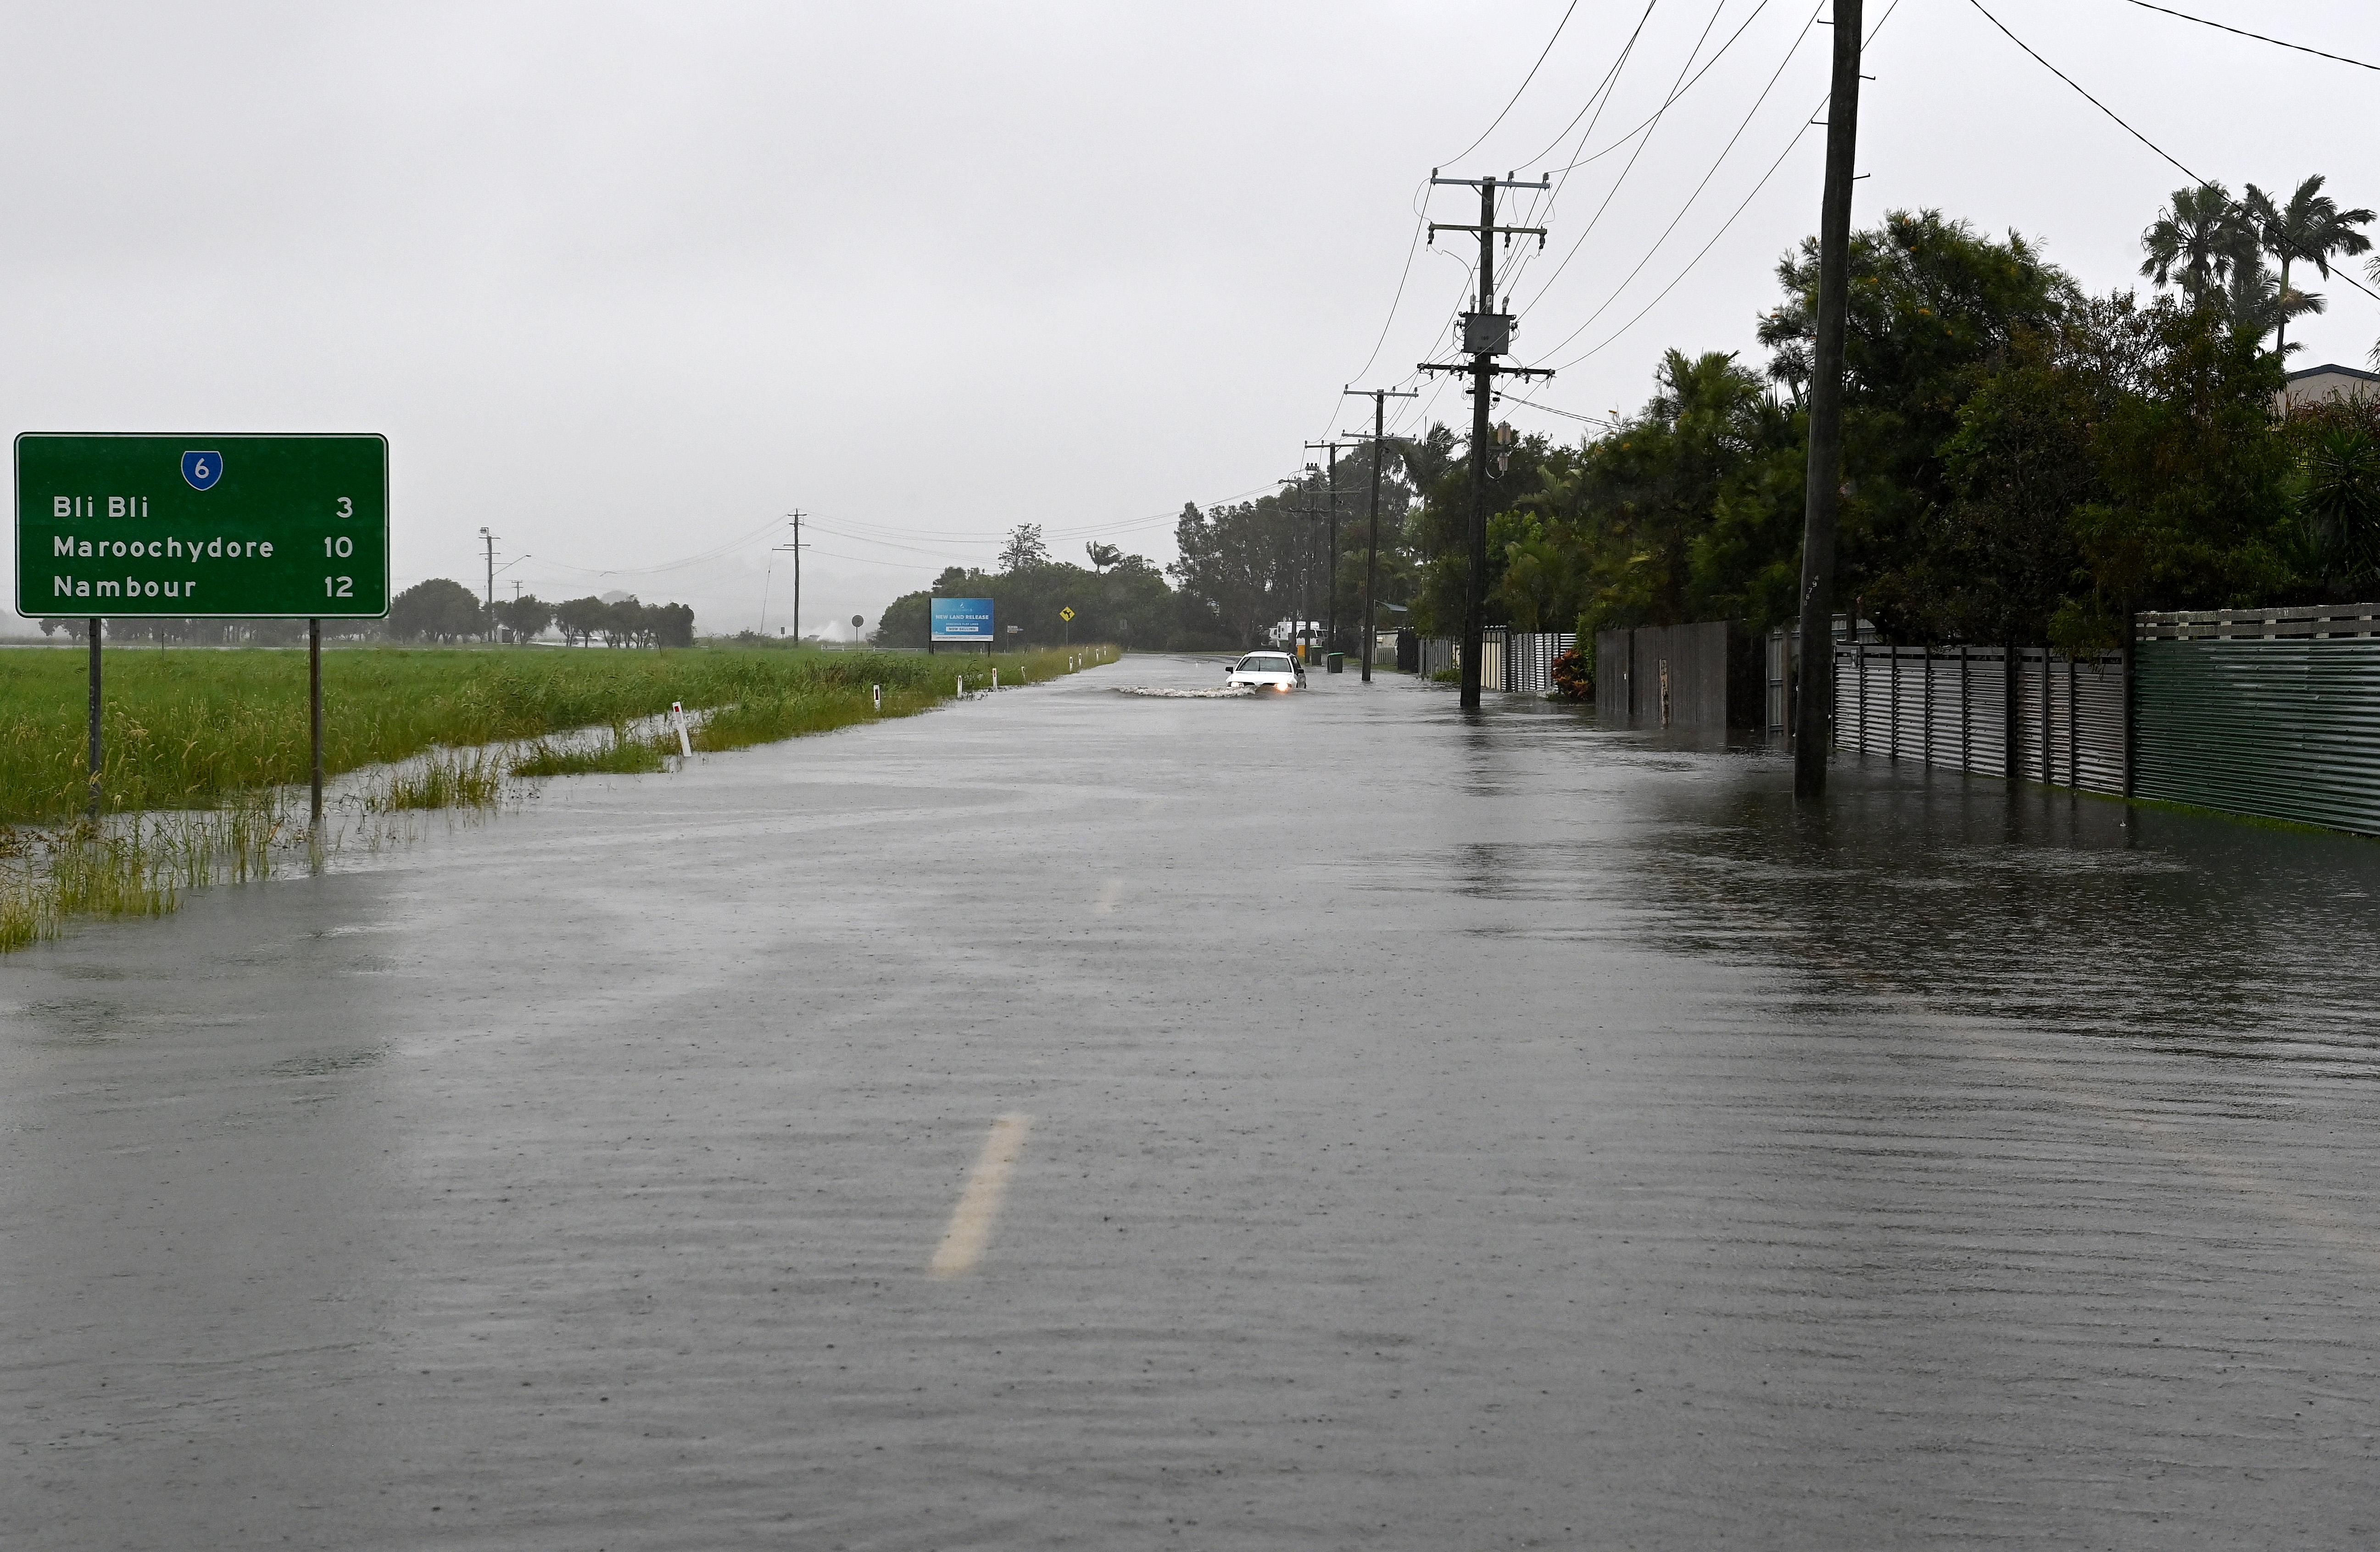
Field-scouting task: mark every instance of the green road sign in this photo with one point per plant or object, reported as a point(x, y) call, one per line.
point(249, 526)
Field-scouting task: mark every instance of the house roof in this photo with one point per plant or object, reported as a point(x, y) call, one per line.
point(2334, 369)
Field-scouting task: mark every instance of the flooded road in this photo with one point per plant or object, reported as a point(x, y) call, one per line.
point(1326, 1122)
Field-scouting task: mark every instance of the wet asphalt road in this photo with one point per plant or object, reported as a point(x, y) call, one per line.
point(1443, 1134)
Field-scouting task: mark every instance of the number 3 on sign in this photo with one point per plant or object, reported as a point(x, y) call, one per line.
point(346, 508)
point(338, 587)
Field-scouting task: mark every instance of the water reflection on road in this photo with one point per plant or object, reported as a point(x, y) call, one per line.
point(2048, 907)
point(1074, 1120)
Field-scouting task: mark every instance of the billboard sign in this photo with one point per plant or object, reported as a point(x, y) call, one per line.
point(961, 619)
point(240, 526)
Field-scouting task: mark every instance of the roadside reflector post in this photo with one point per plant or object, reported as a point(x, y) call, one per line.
point(879, 697)
point(962, 689)
point(995, 678)
point(685, 746)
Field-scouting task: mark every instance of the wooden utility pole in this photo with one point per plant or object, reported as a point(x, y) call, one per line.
point(1330, 611)
point(1822, 492)
point(1487, 334)
point(796, 516)
point(1306, 565)
point(1380, 397)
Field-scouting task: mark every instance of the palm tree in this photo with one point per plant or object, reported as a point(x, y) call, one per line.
point(2311, 227)
point(2259, 303)
point(2196, 242)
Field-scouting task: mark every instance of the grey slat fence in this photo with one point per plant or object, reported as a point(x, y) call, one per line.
point(2037, 715)
point(2270, 711)
point(1519, 661)
point(1529, 658)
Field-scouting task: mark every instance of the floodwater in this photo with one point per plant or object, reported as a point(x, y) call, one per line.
point(1321, 1122)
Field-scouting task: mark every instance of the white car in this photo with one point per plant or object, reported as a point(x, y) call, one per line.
point(1266, 671)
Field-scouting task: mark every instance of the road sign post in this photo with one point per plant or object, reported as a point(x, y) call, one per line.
point(208, 526)
point(1067, 614)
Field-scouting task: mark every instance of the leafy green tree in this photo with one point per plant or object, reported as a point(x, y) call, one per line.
point(670, 624)
point(1933, 304)
point(1022, 547)
point(1656, 481)
point(627, 623)
point(2335, 486)
point(437, 610)
point(2197, 511)
point(524, 618)
point(1237, 563)
point(580, 619)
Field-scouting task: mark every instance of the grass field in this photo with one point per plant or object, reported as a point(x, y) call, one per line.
point(203, 746)
point(189, 728)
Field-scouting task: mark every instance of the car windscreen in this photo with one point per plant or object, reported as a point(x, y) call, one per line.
point(1264, 665)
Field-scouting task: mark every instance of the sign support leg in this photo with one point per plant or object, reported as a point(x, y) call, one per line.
point(94, 719)
point(314, 681)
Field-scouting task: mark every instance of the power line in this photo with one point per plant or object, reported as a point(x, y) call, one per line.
point(2128, 129)
point(1739, 208)
point(1707, 65)
point(1613, 192)
point(2243, 32)
point(1689, 204)
point(1421, 190)
point(711, 554)
point(1402, 275)
point(2086, 96)
point(1698, 259)
point(1597, 95)
point(1522, 87)
point(1580, 160)
point(1565, 414)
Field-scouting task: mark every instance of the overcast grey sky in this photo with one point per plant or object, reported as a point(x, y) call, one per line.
point(625, 284)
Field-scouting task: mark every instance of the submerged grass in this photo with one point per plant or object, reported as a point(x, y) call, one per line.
point(623, 756)
point(138, 866)
point(190, 727)
point(201, 740)
point(466, 779)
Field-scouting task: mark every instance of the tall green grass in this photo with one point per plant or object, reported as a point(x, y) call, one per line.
point(190, 728)
point(203, 757)
point(138, 866)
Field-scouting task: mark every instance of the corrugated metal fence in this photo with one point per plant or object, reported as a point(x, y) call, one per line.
point(2040, 716)
point(1520, 661)
point(2271, 711)
point(1529, 658)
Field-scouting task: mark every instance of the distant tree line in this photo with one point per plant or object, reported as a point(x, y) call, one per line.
point(441, 611)
point(1244, 571)
point(1118, 598)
